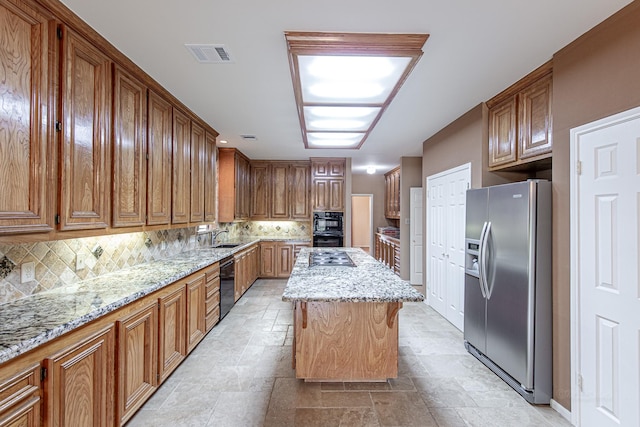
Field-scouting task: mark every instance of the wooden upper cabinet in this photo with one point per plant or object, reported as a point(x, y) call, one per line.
point(300, 191)
point(159, 149)
point(280, 191)
point(25, 84)
point(327, 187)
point(260, 188)
point(234, 181)
point(181, 168)
point(198, 165)
point(392, 194)
point(79, 387)
point(85, 88)
point(502, 133)
point(210, 178)
point(129, 160)
point(520, 123)
point(534, 115)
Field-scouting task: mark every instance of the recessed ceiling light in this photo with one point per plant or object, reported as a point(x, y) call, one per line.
point(345, 81)
point(222, 141)
point(371, 170)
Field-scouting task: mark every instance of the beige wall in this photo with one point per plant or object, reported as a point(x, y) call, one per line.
point(371, 184)
point(410, 176)
point(595, 76)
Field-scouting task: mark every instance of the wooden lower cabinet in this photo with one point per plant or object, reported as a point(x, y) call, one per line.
point(277, 258)
point(247, 269)
point(196, 296)
point(346, 341)
point(172, 332)
point(137, 360)
point(212, 301)
point(79, 386)
point(387, 251)
point(20, 399)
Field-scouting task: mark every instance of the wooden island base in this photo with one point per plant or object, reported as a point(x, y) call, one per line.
point(346, 341)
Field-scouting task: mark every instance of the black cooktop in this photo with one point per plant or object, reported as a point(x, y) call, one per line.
point(330, 258)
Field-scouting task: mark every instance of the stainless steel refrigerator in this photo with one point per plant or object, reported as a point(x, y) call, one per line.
point(507, 304)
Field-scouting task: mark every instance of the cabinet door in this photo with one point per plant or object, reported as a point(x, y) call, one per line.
point(210, 178)
point(20, 399)
point(321, 193)
point(25, 85)
point(267, 259)
point(129, 150)
point(137, 360)
point(181, 166)
point(198, 155)
point(502, 133)
point(280, 191)
point(79, 389)
point(534, 119)
point(196, 311)
point(284, 259)
point(159, 141)
point(85, 91)
point(299, 201)
point(336, 195)
point(260, 186)
point(172, 331)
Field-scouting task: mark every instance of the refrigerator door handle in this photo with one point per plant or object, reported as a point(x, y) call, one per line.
point(483, 259)
point(481, 262)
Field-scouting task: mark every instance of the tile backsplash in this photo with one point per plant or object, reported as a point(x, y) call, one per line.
point(62, 262)
point(273, 229)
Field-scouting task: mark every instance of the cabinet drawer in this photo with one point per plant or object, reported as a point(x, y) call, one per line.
point(213, 272)
point(20, 391)
point(212, 318)
point(213, 287)
point(212, 303)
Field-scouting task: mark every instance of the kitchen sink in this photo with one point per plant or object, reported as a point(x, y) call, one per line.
point(226, 245)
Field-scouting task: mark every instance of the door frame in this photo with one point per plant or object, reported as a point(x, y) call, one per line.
point(412, 221)
point(575, 135)
point(371, 227)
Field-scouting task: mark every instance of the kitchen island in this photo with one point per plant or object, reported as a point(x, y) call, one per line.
point(346, 317)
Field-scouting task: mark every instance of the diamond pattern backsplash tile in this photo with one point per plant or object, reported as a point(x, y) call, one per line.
point(55, 261)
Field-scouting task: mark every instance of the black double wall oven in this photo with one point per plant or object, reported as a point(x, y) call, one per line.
point(328, 230)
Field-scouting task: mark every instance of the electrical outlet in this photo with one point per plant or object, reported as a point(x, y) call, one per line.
point(80, 263)
point(28, 272)
point(163, 245)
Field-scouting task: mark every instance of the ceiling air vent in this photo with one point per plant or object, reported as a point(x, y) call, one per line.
point(249, 138)
point(210, 53)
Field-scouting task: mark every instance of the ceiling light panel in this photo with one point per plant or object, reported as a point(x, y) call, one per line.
point(343, 82)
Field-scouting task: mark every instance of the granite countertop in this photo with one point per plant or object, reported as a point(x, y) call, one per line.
point(35, 320)
point(368, 281)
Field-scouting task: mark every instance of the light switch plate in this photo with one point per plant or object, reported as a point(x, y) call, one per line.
point(28, 272)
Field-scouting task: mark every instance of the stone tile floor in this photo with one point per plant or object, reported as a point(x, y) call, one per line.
point(240, 375)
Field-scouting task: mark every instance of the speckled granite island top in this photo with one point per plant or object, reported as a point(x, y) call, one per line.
point(35, 320)
point(368, 281)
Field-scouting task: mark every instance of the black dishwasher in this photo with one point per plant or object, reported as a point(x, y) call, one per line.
point(227, 286)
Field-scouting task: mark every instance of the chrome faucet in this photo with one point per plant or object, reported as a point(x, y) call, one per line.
point(215, 234)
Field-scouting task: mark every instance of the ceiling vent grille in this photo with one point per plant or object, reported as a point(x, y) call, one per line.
point(210, 53)
point(249, 138)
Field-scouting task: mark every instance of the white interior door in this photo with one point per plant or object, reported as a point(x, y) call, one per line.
point(446, 207)
point(606, 293)
point(415, 220)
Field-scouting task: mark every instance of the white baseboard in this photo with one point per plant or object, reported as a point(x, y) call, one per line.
point(564, 412)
